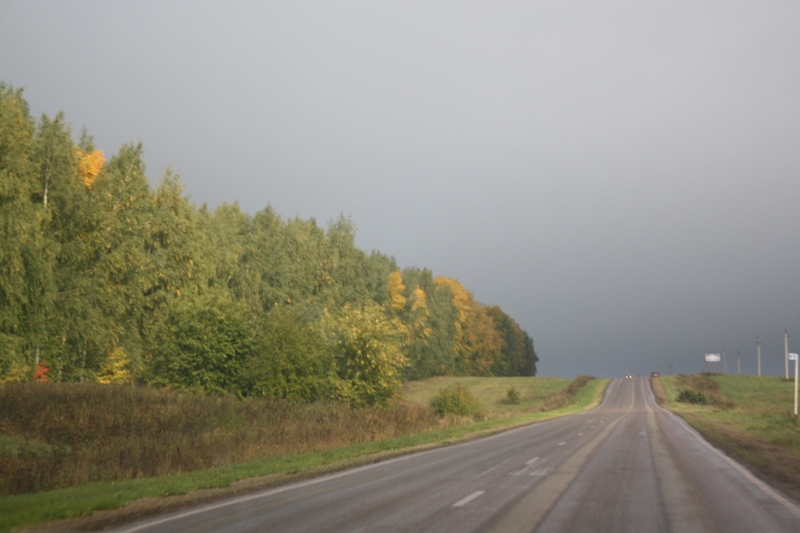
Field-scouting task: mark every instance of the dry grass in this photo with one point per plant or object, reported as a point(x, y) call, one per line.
point(60, 435)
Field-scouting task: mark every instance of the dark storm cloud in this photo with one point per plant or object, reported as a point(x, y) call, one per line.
point(621, 177)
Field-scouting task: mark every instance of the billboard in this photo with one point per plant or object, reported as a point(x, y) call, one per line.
point(712, 358)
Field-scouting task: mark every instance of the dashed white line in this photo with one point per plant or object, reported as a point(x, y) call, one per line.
point(563, 442)
point(532, 461)
point(464, 501)
point(580, 434)
point(486, 472)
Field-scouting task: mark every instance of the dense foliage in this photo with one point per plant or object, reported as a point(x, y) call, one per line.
point(456, 400)
point(104, 279)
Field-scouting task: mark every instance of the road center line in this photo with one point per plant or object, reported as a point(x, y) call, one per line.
point(464, 501)
point(526, 514)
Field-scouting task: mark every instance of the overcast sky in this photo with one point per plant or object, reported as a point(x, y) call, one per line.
point(620, 177)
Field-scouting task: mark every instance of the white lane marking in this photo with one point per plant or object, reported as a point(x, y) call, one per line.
point(541, 472)
point(532, 461)
point(486, 472)
point(563, 442)
point(580, 434)
point(768, 490)
point(293, 486)
point(520, 472)
point(791, 507)
point(464, 501)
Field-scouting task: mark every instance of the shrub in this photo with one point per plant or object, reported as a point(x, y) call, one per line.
point(692, 396)
point(456, 400)
point(562, 398)
point(513, 397)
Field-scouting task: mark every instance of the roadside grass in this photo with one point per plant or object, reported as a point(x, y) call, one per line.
point(748, 417)
point(178, 490)
point(492, 393)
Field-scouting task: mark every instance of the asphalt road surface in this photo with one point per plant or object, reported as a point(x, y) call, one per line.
point(626, 466)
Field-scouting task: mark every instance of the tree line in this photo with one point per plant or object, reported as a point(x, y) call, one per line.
point(103, 278)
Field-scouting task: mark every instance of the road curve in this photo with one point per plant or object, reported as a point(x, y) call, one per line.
point(628, 465)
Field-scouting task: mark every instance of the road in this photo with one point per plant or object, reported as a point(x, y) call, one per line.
point(626, 466)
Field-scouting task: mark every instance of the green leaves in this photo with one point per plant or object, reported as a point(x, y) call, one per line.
point(367, 353)
point(202, 344)
point(108, 280)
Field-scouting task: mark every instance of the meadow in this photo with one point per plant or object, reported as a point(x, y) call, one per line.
point(748, 417)
point(67, 450)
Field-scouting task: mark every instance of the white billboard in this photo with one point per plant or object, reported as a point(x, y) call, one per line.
point(712, 358)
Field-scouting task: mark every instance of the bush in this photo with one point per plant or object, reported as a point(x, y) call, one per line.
point(692, 396)
point(456, 400)
point(513, 397)
point(562, 398)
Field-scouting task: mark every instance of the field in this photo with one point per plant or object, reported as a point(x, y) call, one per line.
point(538, 394)
point(70, 450)
point(749, 417)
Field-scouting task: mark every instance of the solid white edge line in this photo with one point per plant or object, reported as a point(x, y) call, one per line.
point(464, 501)
point(278, 490)
point(768, 490)
point(255, 496)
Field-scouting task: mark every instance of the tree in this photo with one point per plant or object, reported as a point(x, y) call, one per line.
point(293, 362)
point(367, 355)
point(24, 274)
point(515, 358)
point(478, 344)
point(202, 343)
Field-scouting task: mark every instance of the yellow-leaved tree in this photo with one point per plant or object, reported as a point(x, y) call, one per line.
point(478, 343)
point(116, 369)
point(395, 287)
point(367, 354)
point(89, 165)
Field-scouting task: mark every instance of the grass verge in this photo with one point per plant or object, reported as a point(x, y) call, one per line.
point(748, 417)
point(97, 505)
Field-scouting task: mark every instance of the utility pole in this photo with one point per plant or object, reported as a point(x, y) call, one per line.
point(786, 350)
point(724, 361)
point(758, 342)
point(738, 363)
point(670, 369)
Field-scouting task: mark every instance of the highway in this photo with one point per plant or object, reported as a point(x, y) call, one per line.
point(627, 465)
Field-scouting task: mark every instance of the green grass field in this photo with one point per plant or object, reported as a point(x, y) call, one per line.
point(178, 490)
point(750, 418)
point(491, 392)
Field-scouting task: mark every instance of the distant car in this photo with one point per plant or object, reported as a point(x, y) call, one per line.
point(654, 374)
point(629, 376)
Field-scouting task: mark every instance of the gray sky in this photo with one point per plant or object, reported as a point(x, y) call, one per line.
point(620, 177)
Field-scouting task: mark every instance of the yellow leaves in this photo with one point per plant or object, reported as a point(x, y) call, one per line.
point(462, 299)
point(395, 287)
point(419, 301)
point(89, 166)
point(116, 368)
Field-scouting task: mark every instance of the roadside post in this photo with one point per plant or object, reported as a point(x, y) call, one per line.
point(793, 357)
